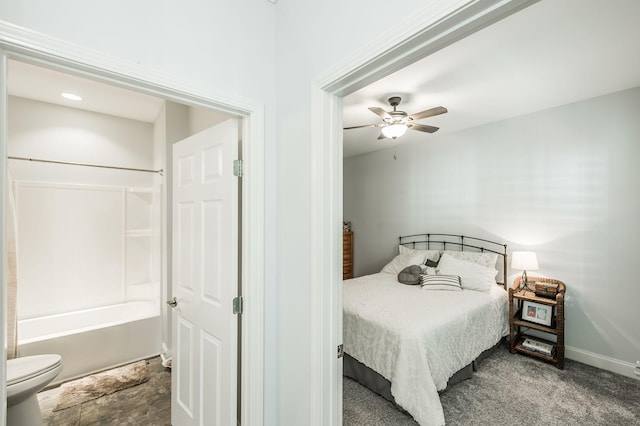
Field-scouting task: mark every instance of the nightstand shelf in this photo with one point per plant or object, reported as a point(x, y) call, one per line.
point(518, 326)
point(517, 348)
point(532, 325)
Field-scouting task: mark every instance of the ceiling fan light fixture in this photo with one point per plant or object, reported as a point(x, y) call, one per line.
point(394, 130)
point(395, 123)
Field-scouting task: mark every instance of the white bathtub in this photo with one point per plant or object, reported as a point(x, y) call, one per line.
point(94, 339)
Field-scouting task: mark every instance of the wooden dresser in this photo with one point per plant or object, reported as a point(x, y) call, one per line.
point(347, 255)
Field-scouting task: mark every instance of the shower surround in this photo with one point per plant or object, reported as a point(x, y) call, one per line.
point(88, 240)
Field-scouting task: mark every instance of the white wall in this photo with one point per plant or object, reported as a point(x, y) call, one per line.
point(70, 248)
point(84, 235)
point(160, 222)
point(202, 118)
point(200, 42)
point(561, 182)
point(230, 47)
point(313, 37)
point(220, 46)
point(43, 130)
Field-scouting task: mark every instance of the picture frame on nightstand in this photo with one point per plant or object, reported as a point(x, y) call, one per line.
point(537, 312)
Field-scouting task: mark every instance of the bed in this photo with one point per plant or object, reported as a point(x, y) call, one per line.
point(409, 342)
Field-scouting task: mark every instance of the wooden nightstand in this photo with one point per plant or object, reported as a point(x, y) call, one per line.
point(347, 255)
point(518, 326)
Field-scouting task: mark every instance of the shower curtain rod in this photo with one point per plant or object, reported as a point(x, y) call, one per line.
point(160, 171)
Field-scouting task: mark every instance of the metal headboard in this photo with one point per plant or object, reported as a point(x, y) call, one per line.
point(460, 243)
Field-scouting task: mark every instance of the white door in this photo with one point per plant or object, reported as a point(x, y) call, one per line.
point(205, 278)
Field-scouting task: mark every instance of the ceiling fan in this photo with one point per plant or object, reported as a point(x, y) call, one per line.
point(395, 123)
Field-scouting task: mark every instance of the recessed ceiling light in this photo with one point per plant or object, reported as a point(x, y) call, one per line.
point(71, 96)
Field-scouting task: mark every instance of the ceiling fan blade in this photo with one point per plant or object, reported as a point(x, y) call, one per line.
point(382, 136)
point(382, 113)
point(428, 113)
point(423, 128)
point(359, 127)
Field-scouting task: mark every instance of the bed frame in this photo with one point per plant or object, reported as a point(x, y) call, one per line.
point(369, 378)
point(460, 243)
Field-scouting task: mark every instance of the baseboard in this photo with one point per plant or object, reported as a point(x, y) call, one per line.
point(601, 361)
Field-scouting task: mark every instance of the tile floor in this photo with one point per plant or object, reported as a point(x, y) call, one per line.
point(142, 405)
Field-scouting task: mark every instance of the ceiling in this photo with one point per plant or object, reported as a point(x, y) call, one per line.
point(46, 85)
point(549, 54)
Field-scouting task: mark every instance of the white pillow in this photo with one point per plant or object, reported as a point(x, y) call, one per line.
point(473, 276)
point(401, 261)
point(428, 254)
point(440, 282)
point(485, 259)
point(428, 270)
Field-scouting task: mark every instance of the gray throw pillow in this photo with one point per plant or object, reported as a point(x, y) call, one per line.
point(410, 275)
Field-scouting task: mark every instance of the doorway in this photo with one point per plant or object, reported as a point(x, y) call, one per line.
point(433, 32)
point(65, 58)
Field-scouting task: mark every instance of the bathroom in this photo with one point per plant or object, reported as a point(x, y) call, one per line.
point(90, 243)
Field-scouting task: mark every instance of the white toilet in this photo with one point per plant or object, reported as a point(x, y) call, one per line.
point(25, 378)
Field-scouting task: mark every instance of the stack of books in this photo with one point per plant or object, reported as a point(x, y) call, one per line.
point(548, 290)
point(537, 346)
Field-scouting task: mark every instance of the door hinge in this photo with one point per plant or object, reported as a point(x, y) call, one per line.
point(237, 168)
point(340, 351)
point(237, 305)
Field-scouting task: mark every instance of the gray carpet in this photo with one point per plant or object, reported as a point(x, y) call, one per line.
point(515, 390)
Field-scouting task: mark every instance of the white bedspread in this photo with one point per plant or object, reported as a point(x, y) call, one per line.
point(418, 339)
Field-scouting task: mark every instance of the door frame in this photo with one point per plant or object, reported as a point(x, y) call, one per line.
point(23, 44)
point(436, 26)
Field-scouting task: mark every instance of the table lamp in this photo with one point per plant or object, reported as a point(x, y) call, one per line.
point(525, 260)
